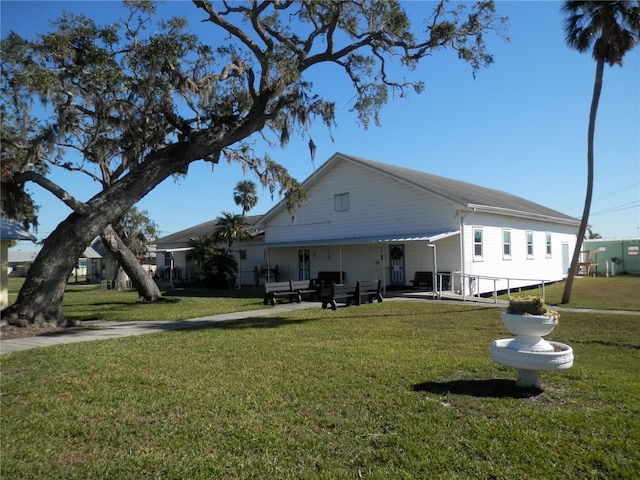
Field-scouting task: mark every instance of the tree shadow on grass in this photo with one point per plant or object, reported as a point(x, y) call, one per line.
point(230, 324)
point(250, 292)
point(10, 332)
point(493, 388)
point(258, 322)
point(429, 313)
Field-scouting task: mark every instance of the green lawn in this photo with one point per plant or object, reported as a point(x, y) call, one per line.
point(91, 302)
point(94, 303)
point(621, 292)
point(398, 390)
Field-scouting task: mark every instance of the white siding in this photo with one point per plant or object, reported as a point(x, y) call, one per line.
point(378, 205)
point(519, 265)
point(255, 259)
point(420, 257)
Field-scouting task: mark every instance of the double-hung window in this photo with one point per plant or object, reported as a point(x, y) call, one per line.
point(548, 245)
point(506, 244)
point(477, 244)
point(529, 244)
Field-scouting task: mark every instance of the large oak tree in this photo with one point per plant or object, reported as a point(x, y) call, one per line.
point(144, 103)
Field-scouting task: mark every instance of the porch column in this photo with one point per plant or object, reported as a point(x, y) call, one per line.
point(383, 249)
point(436, 288)
point(268, 264)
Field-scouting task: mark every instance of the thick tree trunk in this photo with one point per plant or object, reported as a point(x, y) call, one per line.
point(120, 279)
point(147, 289)
point(40, 298)
point(595, 100)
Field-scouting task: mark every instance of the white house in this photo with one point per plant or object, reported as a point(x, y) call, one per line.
point(171, 253)
point(89, 266)
point(373, 221)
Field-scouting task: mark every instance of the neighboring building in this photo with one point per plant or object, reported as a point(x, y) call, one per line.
point(171, 253)
point(20, 262)
point(373, 221)
point(89, 267)
point(10, 232)
point(612, 256)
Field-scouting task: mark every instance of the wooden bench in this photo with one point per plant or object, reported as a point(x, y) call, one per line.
point(423, 278)
point(340, 291)
point(292, 289)
point(371, 290)
point(278, 289)
point(322, 283)
point(325, 279)
point(302, 287)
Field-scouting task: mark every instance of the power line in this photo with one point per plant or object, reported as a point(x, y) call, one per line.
point(606, 195)
point(624, 206)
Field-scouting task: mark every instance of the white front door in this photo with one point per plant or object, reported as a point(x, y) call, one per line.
point(304, 264)
point(396, 265)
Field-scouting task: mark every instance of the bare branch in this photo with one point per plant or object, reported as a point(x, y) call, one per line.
point(59, 192)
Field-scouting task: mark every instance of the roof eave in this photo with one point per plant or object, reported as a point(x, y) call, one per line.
point(521, 214)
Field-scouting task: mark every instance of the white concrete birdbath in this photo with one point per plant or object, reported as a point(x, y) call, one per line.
point(528, 351)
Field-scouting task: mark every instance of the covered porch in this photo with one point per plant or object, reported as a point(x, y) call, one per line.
point(394, 259)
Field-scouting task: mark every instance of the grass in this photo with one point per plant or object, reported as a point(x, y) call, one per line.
point(391, 390)
point(94, 303)
point(91, 302)
point(613, 293)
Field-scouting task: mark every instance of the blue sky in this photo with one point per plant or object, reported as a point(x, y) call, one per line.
point(519, 126)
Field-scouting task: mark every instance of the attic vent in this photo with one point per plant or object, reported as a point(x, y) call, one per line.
point(341, 202)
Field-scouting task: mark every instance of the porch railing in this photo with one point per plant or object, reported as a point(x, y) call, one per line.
point(469, 285)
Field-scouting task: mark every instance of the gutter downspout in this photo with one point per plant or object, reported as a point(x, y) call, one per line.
point(462, 259)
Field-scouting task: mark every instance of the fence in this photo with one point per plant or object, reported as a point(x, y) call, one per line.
point(468, 285)
point(126, 285)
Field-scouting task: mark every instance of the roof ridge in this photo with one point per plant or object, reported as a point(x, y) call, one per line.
point(463, 193)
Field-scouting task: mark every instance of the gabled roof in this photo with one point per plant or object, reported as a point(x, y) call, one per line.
point(10, 230)
point(21, 256)
point(91, 252)
point(465, 195)
point(207, 228)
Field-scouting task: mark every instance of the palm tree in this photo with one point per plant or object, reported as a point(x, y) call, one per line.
point(203, 249)
point(231, 227)
point(592, 235)
point(224, 269)
point(245, 195)
point(613, 29)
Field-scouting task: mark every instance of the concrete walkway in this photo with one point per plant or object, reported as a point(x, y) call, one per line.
point(105, 330)
point(100, 330)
